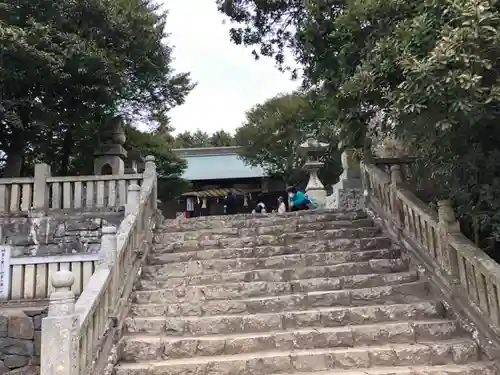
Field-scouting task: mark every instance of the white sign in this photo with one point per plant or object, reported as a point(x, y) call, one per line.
point(5, 252)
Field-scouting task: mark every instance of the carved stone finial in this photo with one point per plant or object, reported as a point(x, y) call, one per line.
point(62, 280)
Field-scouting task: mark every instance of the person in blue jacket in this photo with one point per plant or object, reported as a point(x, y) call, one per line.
point(297, 200)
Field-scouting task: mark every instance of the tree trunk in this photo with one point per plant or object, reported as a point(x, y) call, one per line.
point(66, 152)
point(15, 154)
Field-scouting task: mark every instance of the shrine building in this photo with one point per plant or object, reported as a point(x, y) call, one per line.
point(214, 171)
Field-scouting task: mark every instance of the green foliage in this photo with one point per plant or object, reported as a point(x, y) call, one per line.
point(273, 131)
point(200, 138)
point(169, 166)
point(430, 65)
point(67, 66)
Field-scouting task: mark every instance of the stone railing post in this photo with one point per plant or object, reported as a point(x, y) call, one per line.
point(447, 224)
point(150, 172)
point(133, 198)
point(60, 340)
point(365, 179)
point(396, 179)
point(108, 255)
point(40, 189)
point(348, 193)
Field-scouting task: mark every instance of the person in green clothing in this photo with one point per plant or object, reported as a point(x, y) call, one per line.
point(297, 200)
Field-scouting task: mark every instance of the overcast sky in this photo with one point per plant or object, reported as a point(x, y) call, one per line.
point(229, 80)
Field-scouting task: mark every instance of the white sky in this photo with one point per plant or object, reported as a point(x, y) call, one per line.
point(229, 79)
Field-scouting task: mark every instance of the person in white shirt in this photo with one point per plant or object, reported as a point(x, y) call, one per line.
point(281, 205)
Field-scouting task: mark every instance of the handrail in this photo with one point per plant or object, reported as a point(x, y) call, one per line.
point(27, 279)
point(468, 274)
point(77, 337)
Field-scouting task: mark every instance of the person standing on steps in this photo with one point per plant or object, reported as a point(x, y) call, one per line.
point(230, 204)
point(298, 201)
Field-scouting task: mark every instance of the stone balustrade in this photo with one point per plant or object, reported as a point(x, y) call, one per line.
point(464, 274)
point(42, 192)
point(77, 336)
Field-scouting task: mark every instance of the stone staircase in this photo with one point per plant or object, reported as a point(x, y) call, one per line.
point(306, 293)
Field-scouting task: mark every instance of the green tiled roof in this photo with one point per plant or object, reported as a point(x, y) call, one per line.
point(215, 167)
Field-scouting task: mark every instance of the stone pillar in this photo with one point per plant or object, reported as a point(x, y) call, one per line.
point(40, 190)
point(133, 198)
point(150, 171)
point(396, 179)
point(315, 189)
point(60, 340)
point(108, 251)
point(110, 157)
point(447, 224)
point(108, 254)
point(348, 192)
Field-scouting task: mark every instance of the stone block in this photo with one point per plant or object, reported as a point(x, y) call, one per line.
point(38, 342)
point(15, 361)
point(55, 235)
point(4, 323)
point(346, 199)
point(17, 346)
point(27, 370)
point(3, 369)
point(20, 326)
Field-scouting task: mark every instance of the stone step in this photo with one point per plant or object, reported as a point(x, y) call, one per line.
point(292, 361)
point(155, 277)
point(247, 221)
point(251, 323)
point(295, 239)
point(474, 368)
point(277, 229)
point(253, 289)
point(297, 262)
point(401, 293)
point(159, 257)
point(145, 348)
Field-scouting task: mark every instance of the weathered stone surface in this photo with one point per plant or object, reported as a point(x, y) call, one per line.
point(20, 344)
point(151, 348)
point(16, 346)
point(4, 324)
point(21, 327)
point(321, 317)
point(55, 235)
point(15, 361)
point(27, 370)
point(310, 293)
point(3, 369)
point(298, 263)
point(301, 360)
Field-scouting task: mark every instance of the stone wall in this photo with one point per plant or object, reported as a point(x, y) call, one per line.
point(20, 340)
point(56, 234)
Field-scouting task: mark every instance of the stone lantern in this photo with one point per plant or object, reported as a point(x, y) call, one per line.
point(110, 157)
point(313, 150)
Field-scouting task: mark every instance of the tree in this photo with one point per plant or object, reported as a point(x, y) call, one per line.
point(430, 66)
point(202, 139)
point(221, 138)
point(65, 67)
point(169, 166)
point(273, 131)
